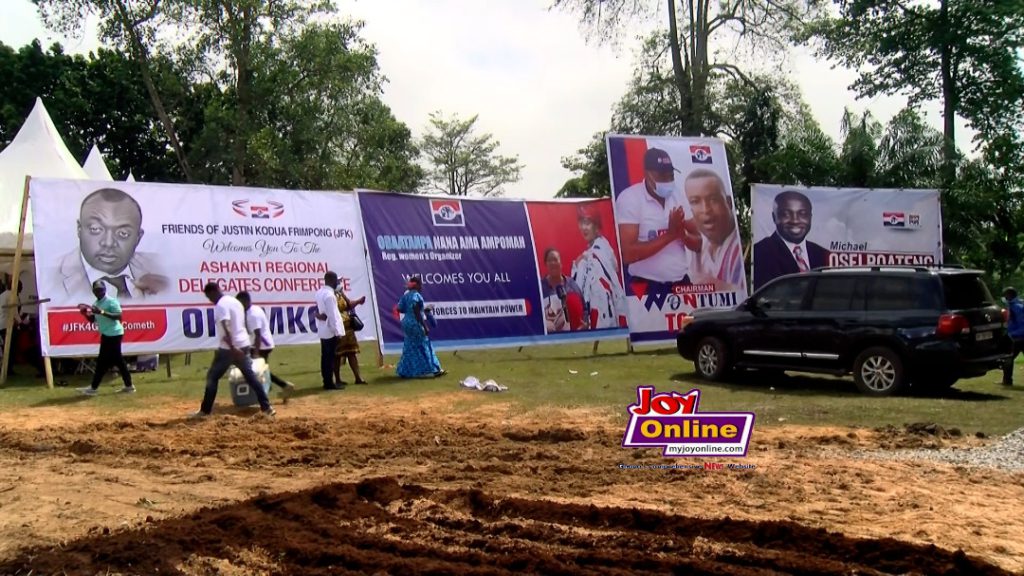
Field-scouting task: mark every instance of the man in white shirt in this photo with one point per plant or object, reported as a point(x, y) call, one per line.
point(720, 259)
point(653, 230)
point(330, 328)
point(258, 325)
point(233, 350)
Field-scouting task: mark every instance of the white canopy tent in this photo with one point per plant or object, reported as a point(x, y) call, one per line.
point(38, 151)
point(95, 166)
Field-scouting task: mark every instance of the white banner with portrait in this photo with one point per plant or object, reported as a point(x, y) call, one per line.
point(155, 246)
point(799, 228)
point(678, 234)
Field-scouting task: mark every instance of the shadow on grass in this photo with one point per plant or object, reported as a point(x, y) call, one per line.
point(73, 397)
point(807, 385)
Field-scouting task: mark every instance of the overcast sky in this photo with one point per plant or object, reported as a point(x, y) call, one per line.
point(530, 74)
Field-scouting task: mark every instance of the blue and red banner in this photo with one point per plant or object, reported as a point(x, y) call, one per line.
point(676, 223)
point(495, 272)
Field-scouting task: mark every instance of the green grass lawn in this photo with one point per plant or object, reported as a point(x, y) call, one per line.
point(569, 376)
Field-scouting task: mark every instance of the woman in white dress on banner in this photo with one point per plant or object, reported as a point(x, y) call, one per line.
point(596, 271)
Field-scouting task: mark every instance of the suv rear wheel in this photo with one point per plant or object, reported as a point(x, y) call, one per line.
point(712, 359)
point(878, 371)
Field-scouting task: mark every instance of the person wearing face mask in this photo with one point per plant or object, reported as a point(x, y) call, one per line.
point(653, 230)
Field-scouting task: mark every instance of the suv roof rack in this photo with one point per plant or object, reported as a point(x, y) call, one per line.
point(893, 268)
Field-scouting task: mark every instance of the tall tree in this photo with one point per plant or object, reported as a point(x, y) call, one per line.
point(691, 30)
point(227, 40)
point(463, 163)
point(859, 151)
point(132, 25)
point(962, 53)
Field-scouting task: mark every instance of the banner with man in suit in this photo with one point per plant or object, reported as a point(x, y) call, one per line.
point(155, 246)
point(797, 228)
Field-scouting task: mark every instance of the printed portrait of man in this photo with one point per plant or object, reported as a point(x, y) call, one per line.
point(654, 233)
point(787, 250)
point(109, 231)
point(720, 258)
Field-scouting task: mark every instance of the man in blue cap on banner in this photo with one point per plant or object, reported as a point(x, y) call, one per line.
point(654, 232)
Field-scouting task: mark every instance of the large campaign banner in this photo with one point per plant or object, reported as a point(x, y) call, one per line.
point(676, 221)
point(157, 245)
point(495, 272)
point(797, 228)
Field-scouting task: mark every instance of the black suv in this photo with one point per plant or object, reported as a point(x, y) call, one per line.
point(892, 327)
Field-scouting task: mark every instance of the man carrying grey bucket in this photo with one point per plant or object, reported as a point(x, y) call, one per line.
point(233, 351)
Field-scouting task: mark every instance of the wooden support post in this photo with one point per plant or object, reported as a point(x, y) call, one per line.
point(48, 368)
point(520, 349)
point(167, 357)
point(380, 358)
point(15, 272)
point(594, 351)
point(629, 346)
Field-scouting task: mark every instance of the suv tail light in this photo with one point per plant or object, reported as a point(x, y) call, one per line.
point(951, 325)
point(1006, 315)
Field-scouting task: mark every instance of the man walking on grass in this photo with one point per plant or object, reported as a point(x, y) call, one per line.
point(1015, 330)
point(262, 340)
point(106, 313)
point(234, 350)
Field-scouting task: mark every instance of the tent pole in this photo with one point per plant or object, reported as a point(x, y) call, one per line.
point(12, 299)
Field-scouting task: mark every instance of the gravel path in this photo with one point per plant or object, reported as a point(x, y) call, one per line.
point(1007, 454)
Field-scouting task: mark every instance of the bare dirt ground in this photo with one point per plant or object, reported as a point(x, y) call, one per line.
point(337, 486)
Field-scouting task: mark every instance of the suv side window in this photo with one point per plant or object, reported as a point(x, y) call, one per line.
point(838, 294)
point(785, 295)
point(903, 293)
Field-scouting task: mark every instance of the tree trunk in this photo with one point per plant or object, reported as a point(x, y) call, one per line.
point(949, 100)
point(699, 69)
point(678, 71)
point(142, 58)
point(243, 89)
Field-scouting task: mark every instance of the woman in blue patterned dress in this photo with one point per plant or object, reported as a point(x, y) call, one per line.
point(418, 359)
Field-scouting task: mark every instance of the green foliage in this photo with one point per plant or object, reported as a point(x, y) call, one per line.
point(692, 38)
point(464, 163)
point(92, 100)
point(965, 53)
point(591, 166)
point(263, 92)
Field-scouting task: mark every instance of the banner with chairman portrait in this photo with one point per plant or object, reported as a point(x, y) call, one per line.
point(678, 233)
point(495, 272)
point(155, 246)
point(797, 228)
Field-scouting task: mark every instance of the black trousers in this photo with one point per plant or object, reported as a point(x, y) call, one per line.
point(110, 357)
point(327, 348)
point(1018, 347)
point(265, 354)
